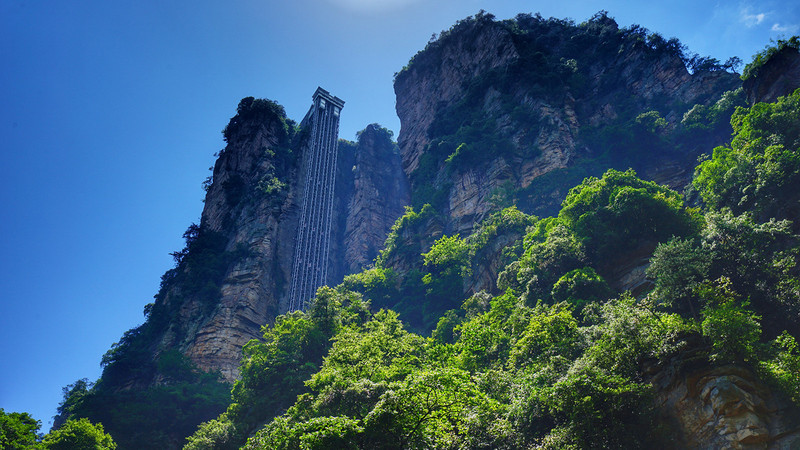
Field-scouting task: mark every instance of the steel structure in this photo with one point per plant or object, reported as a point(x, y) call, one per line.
point(312, 245)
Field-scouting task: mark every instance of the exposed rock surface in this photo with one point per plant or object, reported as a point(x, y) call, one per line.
point(438, 79)
point(265, 224)
point(491, 69)
point(380, 194)
point(723, 407)
point(778, 77)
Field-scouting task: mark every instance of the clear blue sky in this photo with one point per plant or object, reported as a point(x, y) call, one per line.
point(111, 111)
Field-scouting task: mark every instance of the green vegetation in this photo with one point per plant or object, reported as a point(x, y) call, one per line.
point(155, 417)
point(19, 430)
point(760, 171)
point(79, 435)
point(253, 110)
point(439, 267)
point(274, 369)
point(704, 119)
point(559, 358)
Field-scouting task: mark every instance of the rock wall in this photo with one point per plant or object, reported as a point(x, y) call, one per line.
point(262, 223)
point(499, 70)
point(380, 194)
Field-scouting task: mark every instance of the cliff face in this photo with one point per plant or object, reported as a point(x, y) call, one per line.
point(380, 193)
point(554, 94)
point(254, 204)
point(779, 76)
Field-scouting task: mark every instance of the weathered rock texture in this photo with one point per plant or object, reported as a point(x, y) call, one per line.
point(779, 76)
point(380, 193)
point(723, 407)
point(555, 92)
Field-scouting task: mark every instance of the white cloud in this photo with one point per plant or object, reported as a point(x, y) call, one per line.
point(751, 20)
point(785, 28)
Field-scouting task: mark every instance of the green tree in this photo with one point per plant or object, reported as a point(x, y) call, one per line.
point(428, 409)
point(553, 333)
point(732, 328)
point(580, 287)
point(543, 263)
point(19, 431)
point(274, 368)
point(760, 170)
point(784, 367)
point(677, 267)
point(216, 434)
point(760, 259)
point(620, 212)
point(596, 410)
point(79, 434)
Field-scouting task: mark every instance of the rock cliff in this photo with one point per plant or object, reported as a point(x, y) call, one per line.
point(253, 203)
point(380, 193)
point(500, 112)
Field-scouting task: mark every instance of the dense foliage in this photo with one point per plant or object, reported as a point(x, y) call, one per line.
point(156, 417)
point(79, 435)
point(558, 357)
point(441, 265)
point(19, 430)
point(760, 170)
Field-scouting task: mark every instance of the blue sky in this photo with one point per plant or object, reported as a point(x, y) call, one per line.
point(111, 111)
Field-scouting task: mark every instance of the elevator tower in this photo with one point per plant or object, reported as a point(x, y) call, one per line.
point(312, 245)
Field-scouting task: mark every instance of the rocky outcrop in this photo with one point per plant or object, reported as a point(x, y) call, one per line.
point(253, 203)
point(779, 76)
point(555, 103)
point(723, 407)
point(379, 195)
point(437, 75)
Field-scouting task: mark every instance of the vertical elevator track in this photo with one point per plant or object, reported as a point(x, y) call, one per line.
point(312, 245)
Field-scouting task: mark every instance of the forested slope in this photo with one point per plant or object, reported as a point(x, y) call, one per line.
point(703, 356)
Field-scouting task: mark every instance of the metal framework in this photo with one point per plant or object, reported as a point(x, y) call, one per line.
point(312, 245)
